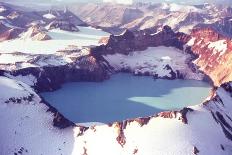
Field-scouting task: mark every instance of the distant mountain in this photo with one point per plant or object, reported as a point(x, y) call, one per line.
point(14, 20)
point(117, 18)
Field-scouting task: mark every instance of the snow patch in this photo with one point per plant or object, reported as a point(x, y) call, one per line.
point(218, 46)
point(49, 16)
point(154, 61)
point(2, 17)
point(182, 8)
point(2, 9)
point(191, 42)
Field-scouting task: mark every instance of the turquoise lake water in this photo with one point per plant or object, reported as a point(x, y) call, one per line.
point(124, 96)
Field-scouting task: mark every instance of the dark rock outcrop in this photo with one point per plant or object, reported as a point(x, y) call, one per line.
point(63, 25)
point(131, 41)
point(195, 150)
point(7, 33)
point(50, 78)
point(174, 114)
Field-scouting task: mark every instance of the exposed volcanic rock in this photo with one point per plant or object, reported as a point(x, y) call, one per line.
point(214, 54)
point(180, 115)
point(222, 26)
point(7, 33)
point(127, 46)
point(3, 28)
point(207, 33)
point(51, 15)
point(138, 40)
point(36, 33)
point(63, 25)
point(61, 122)
point(120, 126)
point(51, 77)
point(22, 19)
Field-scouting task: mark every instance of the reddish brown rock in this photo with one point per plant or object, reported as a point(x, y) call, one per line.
point(216, 64)
point(168, 114)
point(120, 126)
point(174, 114)
point(7, 33)
point(104, 40)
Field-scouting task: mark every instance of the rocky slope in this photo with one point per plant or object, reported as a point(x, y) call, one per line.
point(210, 50)
point(7, 33)
point(15, 20)
point(130, 52)
point(36, 32)
point(214, 54)
point(142, 16)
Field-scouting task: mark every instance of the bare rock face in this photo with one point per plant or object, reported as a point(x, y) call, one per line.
point(41, 37)
point(86, 68)
point(180, 115)
point(130, 41)
point(214, 54)
point(36, 33)
point(63, 25)
point(209, 34)
point(222, 26)
point(7, 33)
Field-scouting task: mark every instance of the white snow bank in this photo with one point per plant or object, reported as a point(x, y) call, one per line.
point(10, 88)
point(49, 16)
point(60, 40)
point(218, 46)
point(2, 17)
point(182, 8)
point(2, 9)
point(12, 58)
point(153, 60)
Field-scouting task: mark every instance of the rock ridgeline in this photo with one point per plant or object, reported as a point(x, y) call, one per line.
point(7, 33)
point(36, 32)
point(131, 41)
point(214, 54)
point(61, 24)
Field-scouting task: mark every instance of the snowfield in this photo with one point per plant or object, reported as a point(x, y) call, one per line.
point(153, 61)
point(49, 16)
point(15, 61)
point(60, 40)
point(159, 136)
